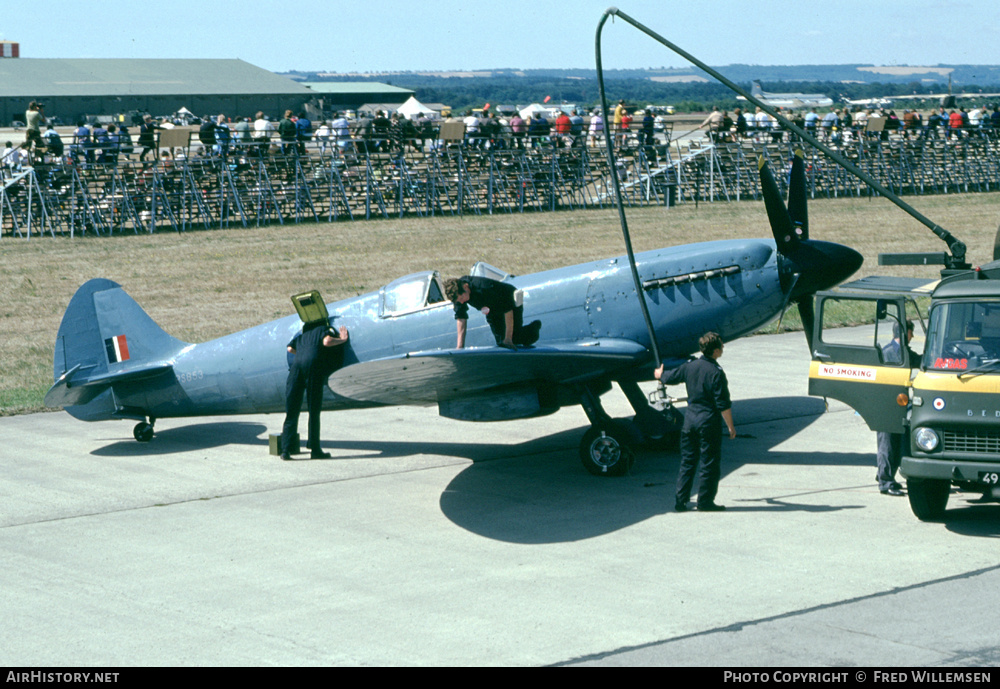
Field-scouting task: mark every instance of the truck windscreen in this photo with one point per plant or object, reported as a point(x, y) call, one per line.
point(963, 335)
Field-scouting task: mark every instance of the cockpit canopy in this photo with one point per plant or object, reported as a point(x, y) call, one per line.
point(425, 290)
point(411, 293)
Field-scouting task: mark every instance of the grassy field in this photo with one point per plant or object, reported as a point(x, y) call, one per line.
point(199, 285)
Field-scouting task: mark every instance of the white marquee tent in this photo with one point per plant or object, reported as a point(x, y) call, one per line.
point(529, 112)
point(413, 107)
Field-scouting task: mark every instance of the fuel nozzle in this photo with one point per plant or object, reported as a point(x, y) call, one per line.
point(660, 399)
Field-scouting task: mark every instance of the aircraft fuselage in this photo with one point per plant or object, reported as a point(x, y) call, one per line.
point(731, 287)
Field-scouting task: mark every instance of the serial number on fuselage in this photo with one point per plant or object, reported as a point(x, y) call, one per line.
point(190, 376)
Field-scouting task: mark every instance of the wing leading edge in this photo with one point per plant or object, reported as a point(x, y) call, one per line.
point(439, 376)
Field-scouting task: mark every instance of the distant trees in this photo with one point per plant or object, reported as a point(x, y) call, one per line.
point(580, 87)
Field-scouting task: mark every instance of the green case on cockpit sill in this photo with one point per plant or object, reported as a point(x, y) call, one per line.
point(310, 307)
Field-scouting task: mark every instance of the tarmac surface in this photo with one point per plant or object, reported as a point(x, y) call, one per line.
point(427, 541)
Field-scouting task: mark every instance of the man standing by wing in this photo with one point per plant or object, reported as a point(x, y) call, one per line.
point(708, 406)
point(317, 352)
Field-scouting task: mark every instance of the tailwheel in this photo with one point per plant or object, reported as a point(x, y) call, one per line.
point(143, 431)
point(606, 449)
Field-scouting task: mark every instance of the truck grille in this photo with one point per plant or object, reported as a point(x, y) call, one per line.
point(983, 442)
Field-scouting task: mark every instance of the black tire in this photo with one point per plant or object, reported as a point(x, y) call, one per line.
point(928, 497)
point(606, 450)
point(143, 432)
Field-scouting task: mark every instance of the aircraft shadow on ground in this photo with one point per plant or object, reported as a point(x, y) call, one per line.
point(546, 497)
point(538, 491)
point(199, 436)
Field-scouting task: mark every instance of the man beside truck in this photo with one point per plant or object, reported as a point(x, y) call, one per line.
point(889, 451)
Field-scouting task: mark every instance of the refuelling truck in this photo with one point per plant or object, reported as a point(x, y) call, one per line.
point(945, 402)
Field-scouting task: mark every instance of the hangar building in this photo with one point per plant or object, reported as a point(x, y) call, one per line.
point(72, 88)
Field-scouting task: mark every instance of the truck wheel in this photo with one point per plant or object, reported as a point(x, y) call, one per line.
point(928, 497)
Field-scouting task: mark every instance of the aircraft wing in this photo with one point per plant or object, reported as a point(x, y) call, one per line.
point(435, 376)
point(73, 388)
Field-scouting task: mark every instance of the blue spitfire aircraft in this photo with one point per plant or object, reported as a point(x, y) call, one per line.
point(112, 361)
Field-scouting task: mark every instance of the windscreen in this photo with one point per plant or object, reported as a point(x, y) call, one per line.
point(401, 297)
point(964, 336)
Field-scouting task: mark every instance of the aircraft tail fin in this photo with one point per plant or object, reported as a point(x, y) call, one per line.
point(105, 338)
point(756, 91)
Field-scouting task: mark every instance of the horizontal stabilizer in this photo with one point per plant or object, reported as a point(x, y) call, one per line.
point(75, 388)
point(436, 376)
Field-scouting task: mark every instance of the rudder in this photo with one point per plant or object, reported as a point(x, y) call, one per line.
point(105, 337)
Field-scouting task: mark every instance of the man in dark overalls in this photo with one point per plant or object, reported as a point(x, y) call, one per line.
point(496, 300)
point(318, 351)
point(889, 448)
point(708, 406)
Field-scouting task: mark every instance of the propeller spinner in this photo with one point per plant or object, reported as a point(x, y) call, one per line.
point(806, 266)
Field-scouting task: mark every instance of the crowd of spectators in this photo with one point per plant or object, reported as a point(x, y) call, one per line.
point(392, 133)
point(846, 125)
point(340, 135)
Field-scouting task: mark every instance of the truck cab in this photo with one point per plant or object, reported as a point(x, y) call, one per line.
point(946, 402)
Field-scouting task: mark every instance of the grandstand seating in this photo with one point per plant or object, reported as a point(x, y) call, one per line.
point(259, 184)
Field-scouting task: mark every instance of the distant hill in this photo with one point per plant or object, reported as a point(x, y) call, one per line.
point(854, 73)
point(685, 88)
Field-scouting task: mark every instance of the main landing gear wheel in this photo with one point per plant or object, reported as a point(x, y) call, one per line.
point(605, 450)
point(143, 432)
point(928, 497)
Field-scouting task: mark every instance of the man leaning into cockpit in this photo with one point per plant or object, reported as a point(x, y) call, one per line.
point(496, 300)
point(317, 352)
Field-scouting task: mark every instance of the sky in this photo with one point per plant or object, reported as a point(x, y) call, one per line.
point(527, 34)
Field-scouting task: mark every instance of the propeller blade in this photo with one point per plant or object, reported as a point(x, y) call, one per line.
point(805, 266)
point(781, 224)
point(808, 315)
point(797, 193)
